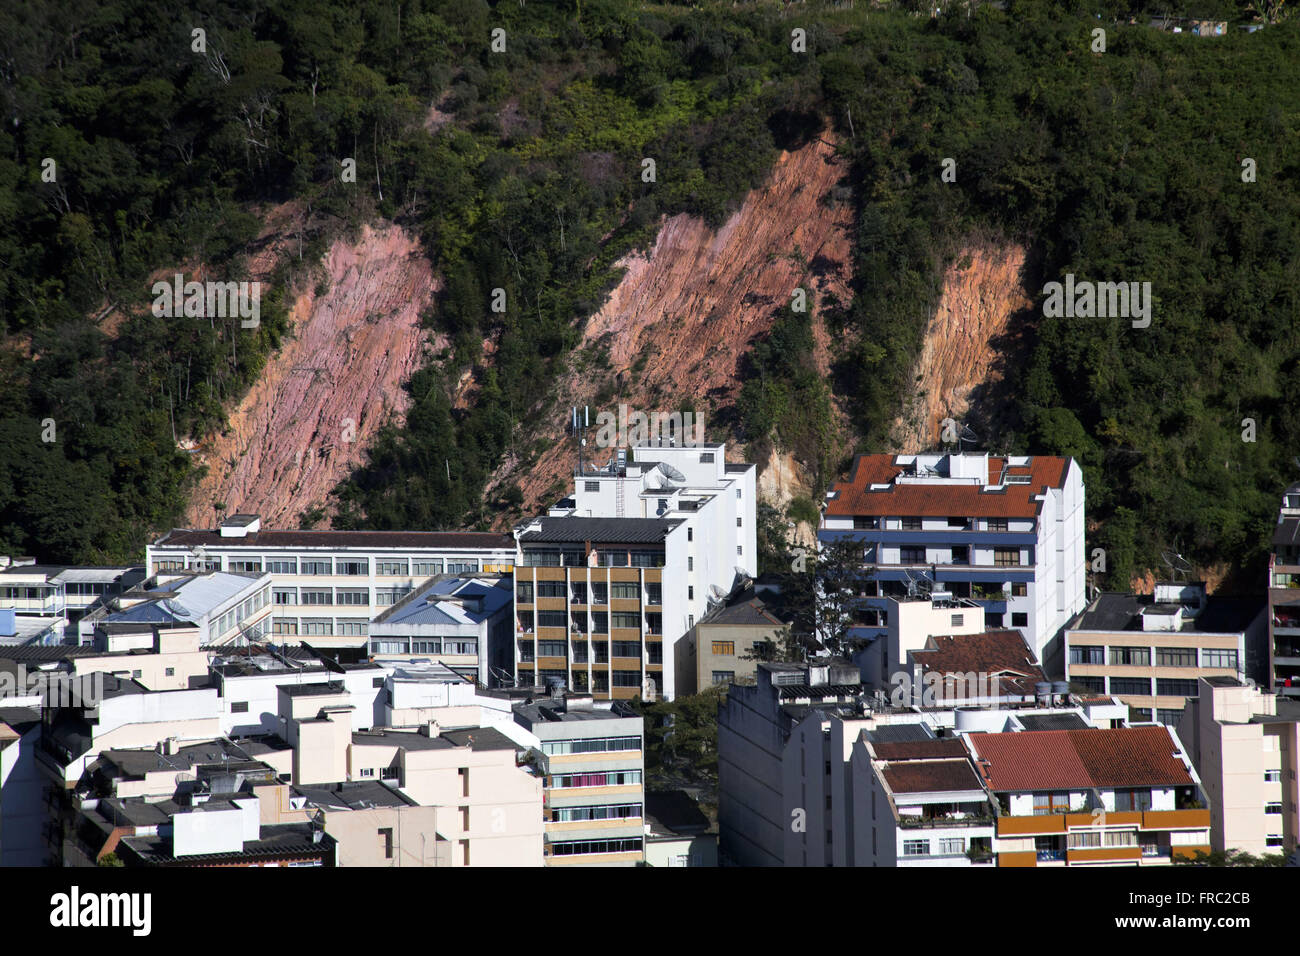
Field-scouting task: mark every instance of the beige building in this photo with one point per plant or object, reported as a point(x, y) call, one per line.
point(1245, 744)
point(1150, 651)
point(722, 646)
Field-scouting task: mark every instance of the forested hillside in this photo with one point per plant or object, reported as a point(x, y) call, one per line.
point(1116, 166)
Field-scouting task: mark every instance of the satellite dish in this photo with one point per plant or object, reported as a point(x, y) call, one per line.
point(1176, 563)
point(671, 472)
point(177, 609)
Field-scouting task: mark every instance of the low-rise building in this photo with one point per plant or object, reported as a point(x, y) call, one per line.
point(1151, 651)
point(724, 647)
point(677, 833)
point(22, 808)
point(226, 607)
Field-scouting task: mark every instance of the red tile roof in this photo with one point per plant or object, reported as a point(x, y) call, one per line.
point(930, 776)
point(938, 499)
point(1079, 759)
point(1001, 653)
point(918, 749)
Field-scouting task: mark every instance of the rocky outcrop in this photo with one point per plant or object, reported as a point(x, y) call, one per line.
point(982, 290)
point(685, 312)
point(354, 339)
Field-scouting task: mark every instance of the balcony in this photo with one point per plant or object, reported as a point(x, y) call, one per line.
point(1050, 856)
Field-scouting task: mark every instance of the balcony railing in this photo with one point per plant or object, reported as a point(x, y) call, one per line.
point(1050, 855)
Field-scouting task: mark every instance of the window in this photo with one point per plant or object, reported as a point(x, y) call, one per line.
point(550, 589)
point(990, 620)
point(625, 590)
point(1132, 656)
point(911, 523)
point(916, 848)
point(137, 674)
point(738, 494)
point(612, 778)
point(627, 619)
point(426, 569)
point(599, 593)
point(1050, 803)
point(706, 457)
point(654, 594)
point(1092, 685)
point(1019, 589)
point(551, 648)
point(1087, 654)
point(723, 677)
point(621, 811)
point(690, 534)
point(627, 649)
point(169, 672)
point(954, 846)
point(1130, 686)
point(690, 563)
point(239, 707)
point(246, 566)
point(600, 622)
point(285, 626)
point(911, 555)
point(1272, 776)
point(1167, 687)
point(386, 597)
point(647, 559)
point(724, 647)
point(1084, 840)
point(352, 627)
point(316, 567)
point(1139, 715)
point(317, 596)
point(1019, 619)
point(524, 592)
point(601, 650)
point(1175, 657)
point(591, 486)
point(366, 772)
point(386, 840)
point(690, 592)
point(351, 567)
point(1219, 658)
point(738, 522)
point(591, 745)
point(1272, 808)
point(355, 597)
point(462, 566)
point(1128, 800)
point(627, 678)
point(1169, 717)
point(286, 595)
point(585, 847)
point(866, 523)
point(997, 524)
point(552, 619)
point(282, 566)
point(424, 647)
point(391, 568)
point(1006, 557)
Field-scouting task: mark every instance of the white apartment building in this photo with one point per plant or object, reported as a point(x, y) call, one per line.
point(329, 585)
point(908, 623)
point(225, 607)
point(1004, 532)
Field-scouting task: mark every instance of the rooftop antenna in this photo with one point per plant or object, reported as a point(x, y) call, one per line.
point(1178, 566)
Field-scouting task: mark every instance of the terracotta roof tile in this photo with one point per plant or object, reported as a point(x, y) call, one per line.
point(930, 776)
point(1079, 759)
point(855, 497)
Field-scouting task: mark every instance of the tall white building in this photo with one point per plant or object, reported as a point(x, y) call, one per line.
point(1006, 533)
point(611, 580)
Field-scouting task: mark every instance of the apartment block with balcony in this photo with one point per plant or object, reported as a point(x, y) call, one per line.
point(592, 755)
point(1284, 598)
point(593, 602)
point(1150, 651)
point(919, 801)
point(1006, 533)
point(328, 586)
point(1123, 796)
point(1245, 744)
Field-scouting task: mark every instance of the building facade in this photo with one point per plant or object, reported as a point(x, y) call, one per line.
point(1006, 533)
